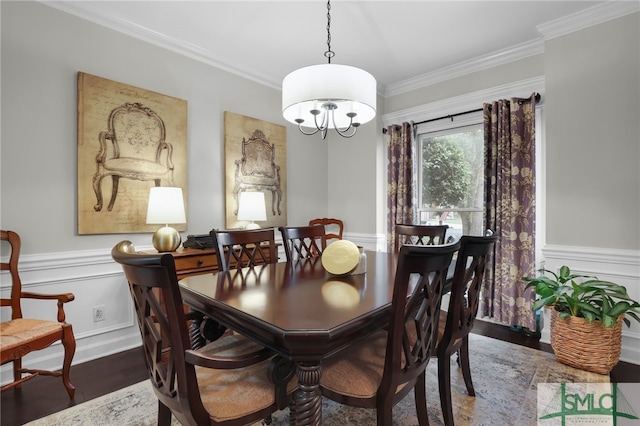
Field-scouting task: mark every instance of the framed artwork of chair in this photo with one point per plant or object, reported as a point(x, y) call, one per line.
point(255, 161)
point(129, 140)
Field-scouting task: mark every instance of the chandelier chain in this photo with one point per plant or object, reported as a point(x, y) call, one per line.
point(329, 53)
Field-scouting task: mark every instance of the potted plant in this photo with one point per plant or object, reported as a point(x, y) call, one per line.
point(586, 317)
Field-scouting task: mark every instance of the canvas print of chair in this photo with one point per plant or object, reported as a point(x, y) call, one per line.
point(258, 171)
point(255, 161)
point(133, 147)
point(129, 140)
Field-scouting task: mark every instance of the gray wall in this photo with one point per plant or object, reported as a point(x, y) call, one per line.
point(42, 51)
point(593, 136)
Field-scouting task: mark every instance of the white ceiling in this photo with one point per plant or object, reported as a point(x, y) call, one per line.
point(396, 41)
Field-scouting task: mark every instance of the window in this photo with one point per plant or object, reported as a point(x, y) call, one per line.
point(427, 126)
point(450, 178)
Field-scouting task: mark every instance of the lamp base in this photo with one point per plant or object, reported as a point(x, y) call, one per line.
point(166, 239)
point(251, 226)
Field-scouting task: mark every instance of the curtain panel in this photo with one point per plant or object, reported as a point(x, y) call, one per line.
point(399, 178)
point(509, 131)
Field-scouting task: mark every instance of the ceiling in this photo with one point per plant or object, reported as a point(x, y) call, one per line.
point(396, 41)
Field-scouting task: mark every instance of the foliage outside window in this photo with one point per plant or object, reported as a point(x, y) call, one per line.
point(451, 179)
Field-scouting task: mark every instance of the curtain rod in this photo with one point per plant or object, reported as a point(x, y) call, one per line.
point(451, 116)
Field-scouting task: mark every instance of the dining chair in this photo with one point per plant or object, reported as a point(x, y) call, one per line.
point(19, 336)
point(419, 234)
point(333, 227)
point(303, 242)
point(231, 381)
point(238, 249)
point(379, 370)
point(456, 323)
point(234, 250)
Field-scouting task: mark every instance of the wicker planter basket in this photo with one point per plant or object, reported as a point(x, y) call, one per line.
point(589, 347)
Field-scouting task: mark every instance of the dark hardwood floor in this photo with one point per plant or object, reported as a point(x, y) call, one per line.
point(45, 395)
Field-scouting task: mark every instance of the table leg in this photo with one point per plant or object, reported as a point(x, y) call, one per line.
point(307, 401)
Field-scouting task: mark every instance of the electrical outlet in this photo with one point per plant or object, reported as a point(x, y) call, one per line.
point(99, 313)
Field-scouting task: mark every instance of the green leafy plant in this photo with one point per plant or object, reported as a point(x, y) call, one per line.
point(583, 296)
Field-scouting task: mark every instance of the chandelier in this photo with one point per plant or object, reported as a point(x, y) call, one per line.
point(329, 96)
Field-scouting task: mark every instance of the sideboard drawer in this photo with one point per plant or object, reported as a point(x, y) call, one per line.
point(196, 262)
point(191, 261)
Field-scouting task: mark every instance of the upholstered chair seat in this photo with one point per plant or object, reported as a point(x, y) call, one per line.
point(252, 391)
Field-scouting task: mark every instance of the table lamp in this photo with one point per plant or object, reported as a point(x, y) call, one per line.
point(251, 207)
point(166, 206)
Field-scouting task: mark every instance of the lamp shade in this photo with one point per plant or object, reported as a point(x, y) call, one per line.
point(251, 206)
point(166, 206)
point(351, 89)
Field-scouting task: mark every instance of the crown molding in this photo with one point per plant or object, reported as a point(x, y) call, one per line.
point(464, 102)
point(500, 57)
point(91, 11)
point(589, 17)
point(556, 28)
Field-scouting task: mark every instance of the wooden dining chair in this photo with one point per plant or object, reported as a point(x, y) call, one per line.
point(303, 242)
point(381, 369)
point(333, 227)
point(419, 234)
point(19, 336)
point(234, 250)
point(238, 249)
point(456, 323)
point(231, 381)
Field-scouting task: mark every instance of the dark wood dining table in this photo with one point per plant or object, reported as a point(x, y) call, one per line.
point(300, 311)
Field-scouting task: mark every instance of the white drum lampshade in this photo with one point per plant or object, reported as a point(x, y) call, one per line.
point(350, 89)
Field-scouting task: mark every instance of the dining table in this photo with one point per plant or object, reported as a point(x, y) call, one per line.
point(300, 311)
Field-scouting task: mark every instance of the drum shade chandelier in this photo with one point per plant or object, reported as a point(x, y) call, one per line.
point(329, 96)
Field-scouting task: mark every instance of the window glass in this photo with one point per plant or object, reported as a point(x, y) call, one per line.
point(451, 183)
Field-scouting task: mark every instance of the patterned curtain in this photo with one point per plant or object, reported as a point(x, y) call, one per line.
point(399, 179)
point(509, 132)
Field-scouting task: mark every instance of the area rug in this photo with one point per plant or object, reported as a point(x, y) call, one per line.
point(505, 377)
